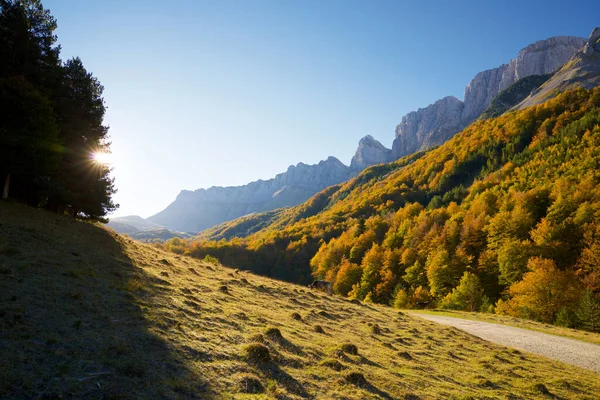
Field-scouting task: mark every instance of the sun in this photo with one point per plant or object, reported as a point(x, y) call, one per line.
point(102, 157)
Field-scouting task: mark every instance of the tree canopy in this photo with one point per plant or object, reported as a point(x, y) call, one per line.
point(52, 119)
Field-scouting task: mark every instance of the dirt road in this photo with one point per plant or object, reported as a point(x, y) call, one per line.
point(571, 351)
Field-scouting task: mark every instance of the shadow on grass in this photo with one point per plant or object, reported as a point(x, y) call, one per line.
point(73, 316)
point(273, 371)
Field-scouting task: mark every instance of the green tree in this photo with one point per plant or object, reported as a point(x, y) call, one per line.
point(589, 310)
point(28, 154)
point(468, 295)
point(81, 183)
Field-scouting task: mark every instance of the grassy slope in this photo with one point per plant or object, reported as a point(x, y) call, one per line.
point(518, 322)
point(88, 313)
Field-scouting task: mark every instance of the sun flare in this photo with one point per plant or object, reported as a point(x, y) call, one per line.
point(102, 157)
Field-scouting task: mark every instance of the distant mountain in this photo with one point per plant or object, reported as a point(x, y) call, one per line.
point(204, 208)
point(159, 235)
point(436, 123)
point(582, 71)
point(131, 224)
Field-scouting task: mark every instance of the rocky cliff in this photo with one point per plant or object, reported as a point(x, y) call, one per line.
point(581, 71)
point(369, 152)
point(439, 121)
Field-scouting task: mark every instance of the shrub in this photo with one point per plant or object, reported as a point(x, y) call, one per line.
point(318, 329)
point(211, 260)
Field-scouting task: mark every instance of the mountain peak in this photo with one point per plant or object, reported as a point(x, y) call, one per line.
point(369, 152)
point(593, 43)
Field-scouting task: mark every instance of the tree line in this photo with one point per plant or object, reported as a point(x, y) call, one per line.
point(52, 119)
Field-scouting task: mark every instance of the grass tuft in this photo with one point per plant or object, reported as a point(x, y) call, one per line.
point(257, 353)
point(541, 388)
point(356, 378)
point(349, 348)
point(375, 330)
point(273, 333)
point(333, 364)
point(250, 384)
point(318, 329)
point(296, 316)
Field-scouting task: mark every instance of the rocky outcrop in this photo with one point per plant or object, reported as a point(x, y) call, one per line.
point(427, 126)
point(439, 121)
point(581, 71)
point(369, 152)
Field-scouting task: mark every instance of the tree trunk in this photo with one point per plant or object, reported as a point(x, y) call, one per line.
point(6, 186)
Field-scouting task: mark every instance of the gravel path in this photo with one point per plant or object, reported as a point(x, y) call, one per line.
point(571, 351)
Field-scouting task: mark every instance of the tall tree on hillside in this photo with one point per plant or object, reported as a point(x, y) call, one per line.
point(28, 68)
point(81, 183)
point(52, 116)
point(29, 138)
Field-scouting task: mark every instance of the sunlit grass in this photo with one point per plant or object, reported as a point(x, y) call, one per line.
point(90, 314)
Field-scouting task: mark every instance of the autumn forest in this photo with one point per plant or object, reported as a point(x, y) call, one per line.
point(502, 218)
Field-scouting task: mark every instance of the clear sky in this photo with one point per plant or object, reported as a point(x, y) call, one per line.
point(202, 93)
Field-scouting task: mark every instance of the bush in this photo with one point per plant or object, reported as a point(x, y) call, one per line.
point(211, 260)
point(318, 329)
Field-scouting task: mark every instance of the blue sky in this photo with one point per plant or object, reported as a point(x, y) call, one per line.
point(202, 93)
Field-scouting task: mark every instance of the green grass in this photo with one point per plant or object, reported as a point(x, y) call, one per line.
point(86, 313)
point(586, 336)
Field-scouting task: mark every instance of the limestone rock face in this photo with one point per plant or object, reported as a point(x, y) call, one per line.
point(428, 126)
point(421, 129)
point(369, 152)
point(581, 71)
point(593, 43)
point(194, 211)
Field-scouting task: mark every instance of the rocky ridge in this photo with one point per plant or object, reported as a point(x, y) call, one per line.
point(194, 211)
point(581, 71)
point(436, 123)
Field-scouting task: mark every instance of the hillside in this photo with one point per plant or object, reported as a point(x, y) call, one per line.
point(86, 313)
point(509, 200)
point(513, 95)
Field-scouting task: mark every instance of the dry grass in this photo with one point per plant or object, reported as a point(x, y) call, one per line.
point(518, 322)
point(90, 314)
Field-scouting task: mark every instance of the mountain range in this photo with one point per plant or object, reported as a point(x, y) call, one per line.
point(195, 211)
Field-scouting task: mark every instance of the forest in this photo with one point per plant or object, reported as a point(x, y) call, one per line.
point(504, 218)
point(52, 119)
